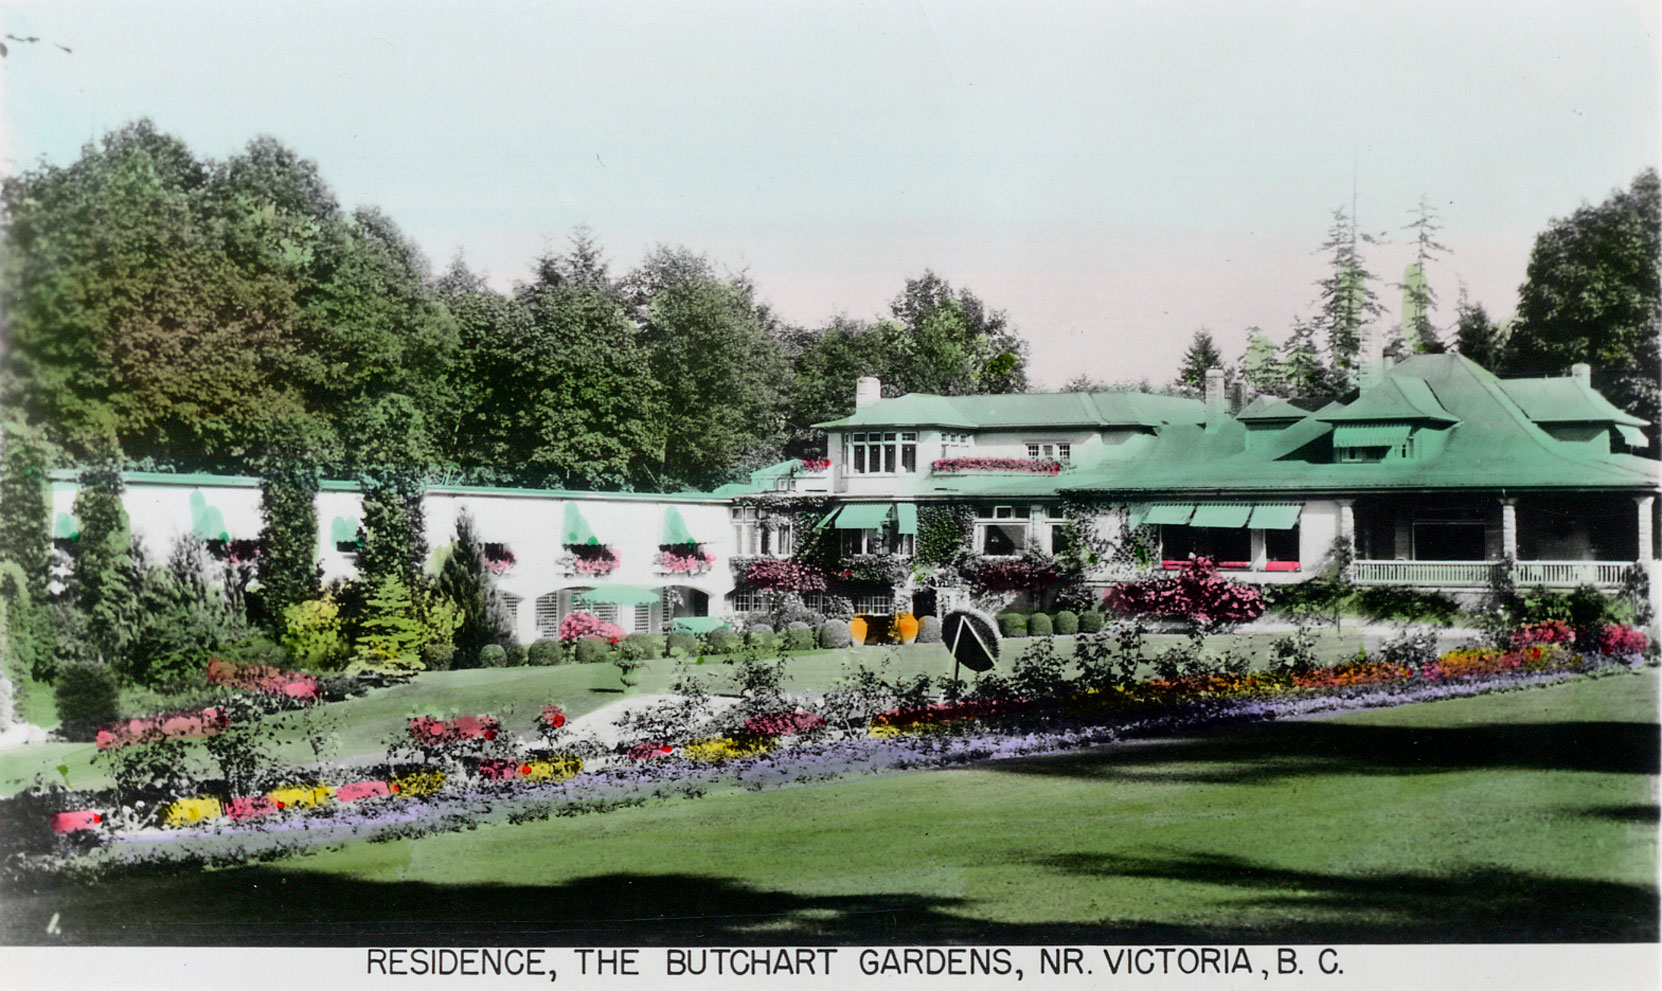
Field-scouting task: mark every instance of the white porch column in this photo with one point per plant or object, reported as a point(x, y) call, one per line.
point(1647, 509)
point(1509, 528)
point(1347, 522)
point(1260, 551)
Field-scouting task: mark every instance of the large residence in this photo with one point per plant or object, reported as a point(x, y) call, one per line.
point(1434, 475)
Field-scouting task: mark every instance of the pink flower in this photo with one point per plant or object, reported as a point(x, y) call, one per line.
point(581, 624)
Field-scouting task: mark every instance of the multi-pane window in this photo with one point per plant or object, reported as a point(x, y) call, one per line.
point(882, 453)
point(749, 602)
point(955, 440)
point(877, 604)
point(1049, 450)
point(747, 538)
point(643, 618)
point(784, 539)
point(1002, 529)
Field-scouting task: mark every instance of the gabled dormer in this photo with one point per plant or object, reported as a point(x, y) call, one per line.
point(1573, 412)
point(1399, 419)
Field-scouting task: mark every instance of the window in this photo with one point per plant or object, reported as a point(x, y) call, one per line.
point(1002, 538)
point(748, 602)
point(955, 440)
point(1064, 452)
point(1048, 450)
point(784, 540)
point(510, 604)
point(883, 453)
point(1008, 513)
point(1281, 546)
point(878, 604)
point(908, 452)
point(865, 542)
point(747, 536)
point(643, 618)
point(1362, 455)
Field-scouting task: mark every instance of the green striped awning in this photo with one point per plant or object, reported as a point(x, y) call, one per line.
point(826, 521)
point(675, 529)
point(1169, 514)
point(1633, 435)
point(206, 521)
point(1370, 434)
point(621, 595)
point(864, 515)
point(1136, 516)
point(343, 530)
point(65, 528)
point(1229, 514)
point(577, 532)
point(1274, 516)
point(908, 516)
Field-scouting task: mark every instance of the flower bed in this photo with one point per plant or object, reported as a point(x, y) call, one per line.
point(783, 575)
point(783, 724)
point(1196, 593)
point(684, 562)
point(728, 748)
point(552, 717)
point(261, 678)
point(1031, 466)
point(168, 725)
point(1618, 639)
point(439, 732)
point(1547, 631)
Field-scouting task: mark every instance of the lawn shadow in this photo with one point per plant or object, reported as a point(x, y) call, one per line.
point(1305, 748)
point(1472, 905)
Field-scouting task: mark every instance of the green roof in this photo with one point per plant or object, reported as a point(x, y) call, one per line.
point(1024, 409)
point(1398, 397)
point(1565, 400)
point(1271, 408)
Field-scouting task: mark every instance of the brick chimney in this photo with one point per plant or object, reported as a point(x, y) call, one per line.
point(869, 390)
point(1215, 402)
point(1583, 373)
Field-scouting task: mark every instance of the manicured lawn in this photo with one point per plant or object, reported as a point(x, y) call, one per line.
point(1527, 815)
point(517, 695)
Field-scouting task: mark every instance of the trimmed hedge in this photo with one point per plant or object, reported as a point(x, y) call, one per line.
point(835, 634)
point(929, 630)
point(760, 636)
point(653, 644)
point(545, 653)
point(492, 655)
point(630, 649)
point(87, 698)
point(438, 656)
point(1011, 624)
point(721, 642)
point(592, 650)
point(799, 636)
point(680, 643)
point(1067, 622)
point(1039, 625)
point(1092, 621)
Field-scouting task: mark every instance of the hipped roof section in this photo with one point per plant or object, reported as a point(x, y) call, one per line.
point(1023, 410)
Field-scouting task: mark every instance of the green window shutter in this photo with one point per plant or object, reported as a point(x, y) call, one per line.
point(1231, 515)
point(577, 532)
point(1274, 516)
point(908, 516)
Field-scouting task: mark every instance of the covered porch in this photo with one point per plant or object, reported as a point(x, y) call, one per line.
point(1459, 540)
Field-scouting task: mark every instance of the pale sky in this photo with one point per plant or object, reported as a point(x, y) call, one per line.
point(1113, 175)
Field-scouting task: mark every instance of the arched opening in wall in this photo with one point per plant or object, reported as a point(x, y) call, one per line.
point(554, 607)
point(684, 600)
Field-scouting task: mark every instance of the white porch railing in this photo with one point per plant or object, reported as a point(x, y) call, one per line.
point(1475, 574)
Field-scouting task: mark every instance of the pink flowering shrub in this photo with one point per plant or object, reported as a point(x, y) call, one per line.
point(580, 624)
point(206, 722)
point(688, 561)
point(1196, 592)
point(553, 717)
point(1035, 466)
point(815, 464)
point(648, 750)
point(1618, 639)
point(261, 678)
point(783, 724)
point(1546, 631)
point(426, 729)
point(1019, 575)
point(784, 575)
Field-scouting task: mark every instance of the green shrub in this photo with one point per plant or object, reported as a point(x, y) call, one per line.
point(833, 633)
point(1091, 621)
point(591, 650)
point(760, 636)
point(517, 654)
point(720, 642)
point(929, 629)
point(546, 653)
point(799, 636)
point(438, 656)
point(1011, 624)
point(492, 655)
point(680, 643)
point(1039, 625)
point(86, 696)
point(1067, 622)
point(630, 649)
point(652, 644)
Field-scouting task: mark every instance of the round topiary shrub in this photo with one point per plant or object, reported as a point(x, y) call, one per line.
point(492, 655)
point(652, 644)
point(1011, 624)
point(438, 656)
point(591, 650)
point(1039, 625)
point(929, 630)
point(680, 643)
point(799, 636)
point(86, 696)
point(517, 654)
point(630, 649)
point(1091, 621)
point(1067, 622)
point(720, 642)
point(759, 636)
point(834, 634)
point(545, 653)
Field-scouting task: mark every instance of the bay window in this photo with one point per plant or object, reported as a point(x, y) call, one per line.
point(881, 453)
